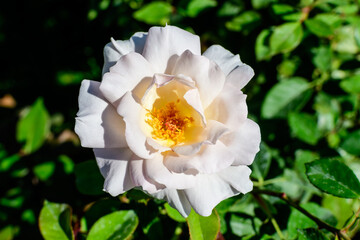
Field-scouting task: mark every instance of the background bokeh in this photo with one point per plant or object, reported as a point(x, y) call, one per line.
point(305, 96)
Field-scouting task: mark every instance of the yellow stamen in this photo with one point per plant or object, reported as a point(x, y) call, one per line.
point(168, 124)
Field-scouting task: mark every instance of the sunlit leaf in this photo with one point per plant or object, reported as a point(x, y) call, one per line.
point(282, 96)
point(34, 127)
point(304, 127)
point(54, 221)
point(173, 213)
point(286, 37)
point(116, 225)
point(154, 13)
point(333, 177)
point(351, 84)
point(203, 228)
point(318, 27)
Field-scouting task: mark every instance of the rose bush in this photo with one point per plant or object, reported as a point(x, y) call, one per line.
point(169, 120)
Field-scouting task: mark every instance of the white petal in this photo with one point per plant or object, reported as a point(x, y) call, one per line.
point(244, 143)
point(207, 75)
point(124, 76)
point(211, 189)
point(213, 131)
point(113, 164)
point(228, 108)
point(131, 112)
point(211, 159)
point(224, 58)
point(192, 97)
point(164, 43)
point(139, 178)
point(156, 170)
point(114, 50)
point(240, 76)
point(176, 199)
point(98, 124)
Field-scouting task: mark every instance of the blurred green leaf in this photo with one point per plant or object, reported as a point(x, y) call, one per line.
point(173, 213)
point(279, 99)
point(304, 127)
point(241, 226)
point(100, 208)
point(229, 9)
point(351, 143)
point(282, 9)
point(344, 40)
point(258, 4)
point(154, 229)
point(7, 162)
point(351, 84)
point(298, 220)
point(286, 37)
point(65, 78)
point(195, 7)
point(311, 234)
point(262, 49)
point(154, 13)
point(333, 177)
point(68, 163)
point(203, 228)
point(318, 27)
point(8, 232)
point(55, 221)
point(44, 170)
point(302, 157)
point(245, 22)
point(28, 216)
point(262, 162)
point(322, 57)
point(341, 208)
point(116, 225)
point(88, 178)
point(34, 127)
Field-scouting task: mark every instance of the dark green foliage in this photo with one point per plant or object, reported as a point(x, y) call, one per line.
point(305, 96)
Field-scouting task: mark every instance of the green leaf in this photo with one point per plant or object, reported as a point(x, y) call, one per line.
point(344, 40)
point(351, 84)
point(67, 162)
point(203, 228)
point(88, 178)
point(341, 208)
point(245, 22)
point(304, 127)
point(286, 37)
point(34, 127)
point(174, 214)
point(241, 226)
point(197, 6)
point(298, 220)
point(282, 9)
point(351, 143)
point(154, 13)
point(333, 177)
point(154, 229)
point(116, 225)
point(258, 4)
point(7, 162)
point(44, 170)
point(65, 78)
point(262, 162)
point(311, 234)
point(262, 49)
point(302, 157)
point(8, 232)
point(54, 221)
point(229, 9)
point(322, 58)
point(318, 27)
point(284, 96)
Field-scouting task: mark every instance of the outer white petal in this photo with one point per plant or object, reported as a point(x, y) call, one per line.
point(156, 170)
point(130, 110)
point(207, 75)
point(176, 199)
point(124, 76)
point(223, 57)
point(228, 108)
point(114, 50)
point(164, 44)
point(139, 178)
point(211, 159)
point(213, 188)
point(113, 164)
point(98, 124)
point(237, 73)
point(240, 76)
point(213, 131)
point(244, 143)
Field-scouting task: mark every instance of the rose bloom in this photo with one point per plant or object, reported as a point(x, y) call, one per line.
point(170, 121)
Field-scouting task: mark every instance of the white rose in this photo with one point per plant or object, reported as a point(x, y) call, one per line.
point(170, 121)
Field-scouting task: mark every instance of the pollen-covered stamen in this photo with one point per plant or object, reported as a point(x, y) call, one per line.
point(168, 124)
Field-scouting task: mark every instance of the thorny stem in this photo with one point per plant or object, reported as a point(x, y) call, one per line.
point(319, 222)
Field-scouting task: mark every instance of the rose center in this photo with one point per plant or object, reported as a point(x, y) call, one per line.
point(168, 123)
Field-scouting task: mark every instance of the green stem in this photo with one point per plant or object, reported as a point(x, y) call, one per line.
point(319, 222)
